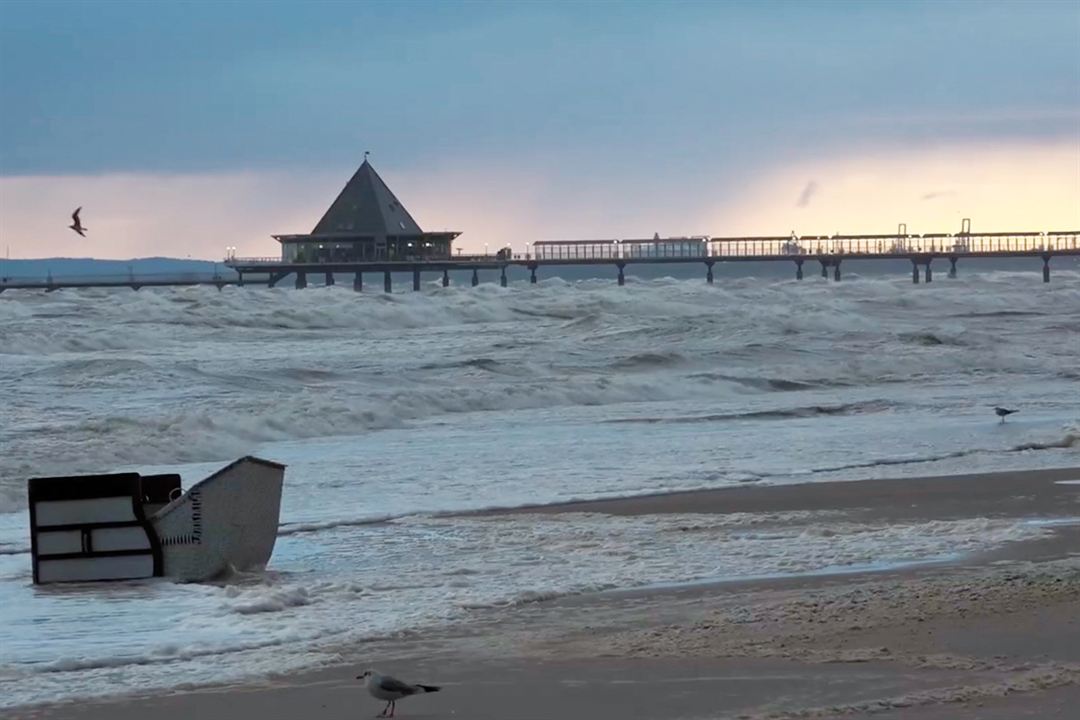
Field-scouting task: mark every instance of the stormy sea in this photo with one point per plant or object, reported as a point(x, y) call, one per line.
point(395, 412)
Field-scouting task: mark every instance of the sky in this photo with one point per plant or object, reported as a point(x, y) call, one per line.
point(183, 128)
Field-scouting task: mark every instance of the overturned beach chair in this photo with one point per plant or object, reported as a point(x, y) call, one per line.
point(125, 526)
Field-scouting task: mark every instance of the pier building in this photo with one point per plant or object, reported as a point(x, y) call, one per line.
point(366, 223)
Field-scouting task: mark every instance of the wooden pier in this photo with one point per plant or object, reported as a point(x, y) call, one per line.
point(830, 253)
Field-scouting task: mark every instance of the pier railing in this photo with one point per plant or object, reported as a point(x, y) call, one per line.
point(264, 260)
point(700, 248)
point(720, 248)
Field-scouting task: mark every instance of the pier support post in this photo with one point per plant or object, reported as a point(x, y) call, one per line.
point(416, 279)
point(386, 285)
point(914, 271)
point(1046, 268)
point(240, 279)
point(622, 276)
point(798, 269)
point(329, 278)
point(446, 278)
point(475, 278)
point(502, 276)
point(952, 267)
point(301, 280)
point(929, 272)
point(836, 270)
point(358, 282)
point(708, 273)
point(532, 274)
point(824, 268)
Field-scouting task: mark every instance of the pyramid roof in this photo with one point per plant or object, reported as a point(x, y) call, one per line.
point(366, 206)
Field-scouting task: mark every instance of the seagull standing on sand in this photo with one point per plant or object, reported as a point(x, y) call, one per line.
point(77, 226)
point(391, 689)
point(1002, 412)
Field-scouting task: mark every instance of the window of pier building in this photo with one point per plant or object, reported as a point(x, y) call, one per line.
point(367, 249)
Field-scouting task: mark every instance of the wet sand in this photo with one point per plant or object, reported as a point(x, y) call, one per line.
point(995, 635)
point(1003, 494)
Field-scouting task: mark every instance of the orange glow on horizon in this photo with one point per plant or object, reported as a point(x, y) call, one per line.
point(1025, 187)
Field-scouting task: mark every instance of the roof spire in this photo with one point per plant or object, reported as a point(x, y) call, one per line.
point(366, 153)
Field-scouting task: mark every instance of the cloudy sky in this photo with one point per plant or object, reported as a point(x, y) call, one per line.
point(183, 128)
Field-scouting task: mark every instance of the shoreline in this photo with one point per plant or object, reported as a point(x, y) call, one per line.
point(986, 635)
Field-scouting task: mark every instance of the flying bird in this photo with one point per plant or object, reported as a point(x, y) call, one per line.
point(77, 226)
point(391, 689)
point(1002, 412)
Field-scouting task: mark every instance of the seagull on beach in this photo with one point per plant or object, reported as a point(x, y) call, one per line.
point(391, 689)
point(1002, 412)
point(77, 226)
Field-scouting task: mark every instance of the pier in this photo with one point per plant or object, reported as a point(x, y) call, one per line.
point(367, 230)
point(828, 255)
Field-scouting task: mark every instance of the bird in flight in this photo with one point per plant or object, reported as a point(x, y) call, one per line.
point(1002, 412)
point(77, 226)
point(391, 689)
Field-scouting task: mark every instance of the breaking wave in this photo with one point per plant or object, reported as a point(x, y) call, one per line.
point(772, 384)
point(798, 412)
point(648, 361)
point(928, 339)
point(1069, 439)
point(298, 528)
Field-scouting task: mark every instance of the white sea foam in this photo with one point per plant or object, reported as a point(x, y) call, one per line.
point(278, 601)
point(199, 634)
point(393, 411)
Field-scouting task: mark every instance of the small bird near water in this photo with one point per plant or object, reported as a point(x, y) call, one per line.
point(1002, 412)
point(391, 689)
point(77, 226)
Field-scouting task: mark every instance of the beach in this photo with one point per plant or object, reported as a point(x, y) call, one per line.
point(992, 634)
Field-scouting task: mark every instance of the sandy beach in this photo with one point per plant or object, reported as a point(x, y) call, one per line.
point(988, 635)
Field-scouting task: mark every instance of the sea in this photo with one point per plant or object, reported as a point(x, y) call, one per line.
point(395, 411)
